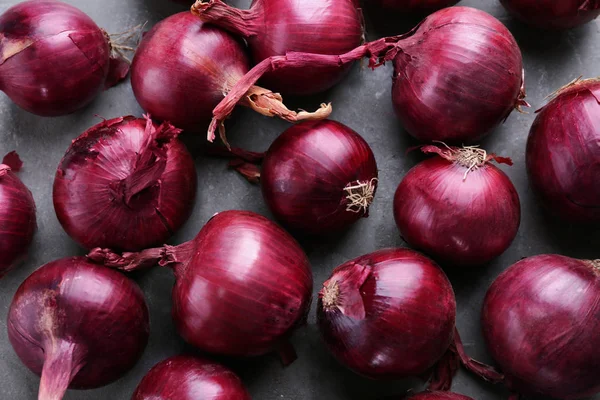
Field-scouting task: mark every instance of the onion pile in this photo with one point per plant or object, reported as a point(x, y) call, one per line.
point(457, 75)
point(274, 27)
point(125, 183)
point(183, 68)
point(413, 6)
point(317, 177)
point(77, 324)
point(242, 285)
point(17, 214)
point(54, 59)
point(190, 378)
point(563, 153)
point(388, 314)
point(552, 14)
point(457, 206)
point(540, 320)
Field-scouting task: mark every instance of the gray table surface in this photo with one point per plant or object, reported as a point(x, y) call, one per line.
point(361, 101)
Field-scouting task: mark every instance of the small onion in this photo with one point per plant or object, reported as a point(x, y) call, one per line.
point(457, 75)
point(274, 27)
point(563, 153)
point(242, 285)
point(412, 6)
point(54, 59)
point(78, 325)
point(183, 68)
point(17, 214)
point(457, 206)
point(388, 314)
point(552, 14)
point(540, 321)
point(190, 378)
point(125, 183)
point(317, 177)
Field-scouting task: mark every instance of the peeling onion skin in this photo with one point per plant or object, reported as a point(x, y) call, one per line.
point(552, 14)
point(54, 59)
point(563, 153)
point(305, 173)
point(540, 322)
point(439, 396)
point(83, 325)
point(413, 6)
point(398, 323)
point(457, 77)
point(190, 378)
point(17, 215)
point(92, 207)
point(463, 221)
point(275, 27)
point(171, 77)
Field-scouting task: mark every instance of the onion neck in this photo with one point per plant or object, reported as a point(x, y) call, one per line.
point(62, 363)
point(360, 195)
point(239, 22)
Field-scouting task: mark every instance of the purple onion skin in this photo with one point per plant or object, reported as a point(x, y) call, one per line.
point(414, 6)
point(563, 153)
point(305, 171)
point(462, 222)
point(78, 325)
point(87, 196)
point(182, 69)
point(404, 309)
point(53, 58)
point(552, 14)
point(275, 27)
point(439, 396)
point(244, 289)
point(17, 221)
point(457, 77)
point(190, 378)
point(540, 321)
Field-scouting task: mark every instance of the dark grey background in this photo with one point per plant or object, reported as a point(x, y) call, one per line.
point(361, 101)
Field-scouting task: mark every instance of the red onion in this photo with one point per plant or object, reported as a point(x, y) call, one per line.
point(413, 6)
point(457, 75)
point(274, 27)
point(17, 214)
point(388, 314)
point(125, 183)
point(439, 396)
point(190, 378)
point(457, 206)
point(318, 177)
point(77, 324)
point(540, 320)
point(54, 59)
point(563, 152)
point(183, 68)
point(242, 285)
point(552, 14)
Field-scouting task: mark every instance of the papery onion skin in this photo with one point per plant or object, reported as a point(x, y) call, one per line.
point(274, 27)
point(182, 69)
point(77, 324)
point(457, 216)
point(457, 77)
point(413, 6)
point(305, 173)
point(242, 286)
point(91, 186)
point(540, 322)
point(54, 59)
point(393, 315)
point(563, 153)
point(439, 396)
point(190, 378)
point(551, 14)
point(17, 214)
